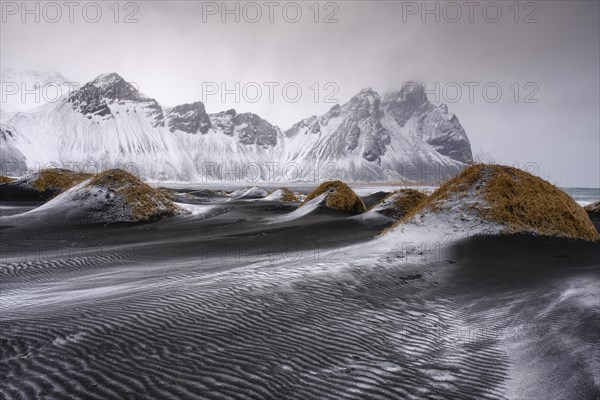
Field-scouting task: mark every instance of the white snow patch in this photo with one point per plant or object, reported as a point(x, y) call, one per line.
point(196, 209)
point(249, 193)
point(304, 210)
point(276, 195)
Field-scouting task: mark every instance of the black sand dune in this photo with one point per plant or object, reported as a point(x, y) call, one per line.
point(14, 191)
point(227, 304)
point(374, 198)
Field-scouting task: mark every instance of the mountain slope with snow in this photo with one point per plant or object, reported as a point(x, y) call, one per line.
point(370, 139)
point(29, 89)
point(108, 123)
point(13, 161)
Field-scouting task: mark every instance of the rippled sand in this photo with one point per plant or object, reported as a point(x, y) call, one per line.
point(227, 303)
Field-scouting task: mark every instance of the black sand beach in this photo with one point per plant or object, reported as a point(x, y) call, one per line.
point(232, 304)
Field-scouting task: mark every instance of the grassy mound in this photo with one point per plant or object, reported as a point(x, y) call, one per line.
point(288, 195)
point(593, 209)
point(342, 197)
point(6, 179)
point(513, 198)
point(57, 180)
point(399, 203)
point(146, 202)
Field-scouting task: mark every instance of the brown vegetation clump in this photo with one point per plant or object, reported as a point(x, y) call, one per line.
point(288, 195)
point(6, 179)
point(593, 209)
point(406, 200)
point(514, 198)
point(145, 201)
point(399, 203)
point(57, 179)
point(342, 197)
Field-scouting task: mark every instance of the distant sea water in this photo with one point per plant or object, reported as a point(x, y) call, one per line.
point(583, 196)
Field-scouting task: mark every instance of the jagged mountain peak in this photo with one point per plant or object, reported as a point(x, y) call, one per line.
point(189, 117)
point(366, 93)
point(248, 127)
point(366, 101)
point(411, 94)
point(107, 79)
point(98, 97)
point(188, 107)
point(407, 102)
point(114, 87)
point(376, 137)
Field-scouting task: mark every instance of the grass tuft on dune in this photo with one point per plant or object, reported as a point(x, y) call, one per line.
point(288, 195)
point(145, 201)
point(57, 179)
point(6, 179)
point(400, 202)
point(342, 197)
point(519, 201)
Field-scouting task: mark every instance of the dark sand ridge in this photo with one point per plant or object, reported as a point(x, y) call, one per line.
point(374, 198)
point(230, 223)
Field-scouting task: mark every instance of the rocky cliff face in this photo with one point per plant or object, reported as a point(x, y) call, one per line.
point(190, 118)
point(95, 98)
point(375, 138)
point(13, 161)
point(247, 127)
point(434, 124)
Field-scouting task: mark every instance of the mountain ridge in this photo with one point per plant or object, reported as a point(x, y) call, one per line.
point(367, 138)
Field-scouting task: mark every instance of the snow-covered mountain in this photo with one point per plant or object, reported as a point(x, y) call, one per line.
point(109, 123)
point(28, 89)
point(368, 138)
point(409, 107)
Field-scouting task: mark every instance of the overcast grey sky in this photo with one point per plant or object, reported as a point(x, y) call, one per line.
point(544, 56)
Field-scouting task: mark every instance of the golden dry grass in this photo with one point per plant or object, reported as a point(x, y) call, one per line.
point(288, 195)
point(516, 199)
point(405, 200)
point(343, 198)
point(593, 209)
point(146, 202)
point(58, 179)
point(6, 179)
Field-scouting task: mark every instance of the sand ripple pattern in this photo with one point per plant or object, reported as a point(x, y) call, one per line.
point(119, 327)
